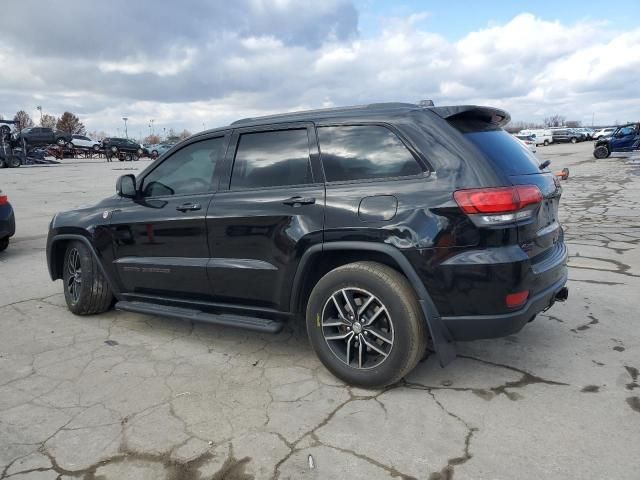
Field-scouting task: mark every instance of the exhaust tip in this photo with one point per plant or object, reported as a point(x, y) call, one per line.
point(562, 294)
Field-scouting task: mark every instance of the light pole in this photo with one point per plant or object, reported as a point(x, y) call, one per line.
point(164, 129)
point(39, 108)
point(151, 126)
point(125, 126)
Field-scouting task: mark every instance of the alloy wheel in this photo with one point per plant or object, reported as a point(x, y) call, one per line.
point(357, 327)
point(74, 282)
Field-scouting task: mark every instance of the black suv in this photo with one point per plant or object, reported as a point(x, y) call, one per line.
point(386, 226)
point(37, 136)
point(123, 148)
point(563, 135)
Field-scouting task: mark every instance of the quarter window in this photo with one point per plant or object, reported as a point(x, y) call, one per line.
point(270, 159)
point(364, 152)
point(190, 170)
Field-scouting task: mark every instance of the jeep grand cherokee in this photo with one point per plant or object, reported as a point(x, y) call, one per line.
point(385, 226)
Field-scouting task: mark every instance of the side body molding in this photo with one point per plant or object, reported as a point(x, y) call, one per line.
point(443, 342)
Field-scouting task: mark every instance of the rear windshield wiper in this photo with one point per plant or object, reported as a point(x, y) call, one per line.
point(544, 164)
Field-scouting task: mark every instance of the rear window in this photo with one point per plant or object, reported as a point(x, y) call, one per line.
point(505, 152)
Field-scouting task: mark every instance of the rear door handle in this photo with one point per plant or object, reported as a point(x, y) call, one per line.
point(297, 201)
point(189, 207)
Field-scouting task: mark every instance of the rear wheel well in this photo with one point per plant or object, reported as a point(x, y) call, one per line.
point(323, 262)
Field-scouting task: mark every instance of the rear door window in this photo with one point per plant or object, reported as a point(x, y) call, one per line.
point(271, 159)
point(361, 152)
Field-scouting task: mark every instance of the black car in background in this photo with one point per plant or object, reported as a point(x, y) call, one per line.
point(38, 136)
point(564, 135)
point(384, 226)
point(123, 148)
point(7, 221)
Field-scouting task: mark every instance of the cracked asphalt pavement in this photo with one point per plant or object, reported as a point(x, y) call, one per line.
point(126, 396)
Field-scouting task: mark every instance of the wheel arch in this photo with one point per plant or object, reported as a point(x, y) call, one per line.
point(325, 257)
point(55, 257)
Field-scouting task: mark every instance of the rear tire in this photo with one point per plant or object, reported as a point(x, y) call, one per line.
point(394, 313)
point(546, 143)
point(574, 140)
point(601, 152)
point(4, 243)
point(61, 141)
point(86, 290)
point(14, 162)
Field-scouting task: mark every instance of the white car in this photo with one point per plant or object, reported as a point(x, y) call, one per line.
point(541, 136)
point(80, 141)
point(603, 132)
point(527, 141)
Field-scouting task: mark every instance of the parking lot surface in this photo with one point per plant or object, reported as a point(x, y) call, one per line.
point(126, 396)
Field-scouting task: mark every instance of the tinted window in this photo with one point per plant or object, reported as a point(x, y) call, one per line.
point(501, 149)
point(269, 159)
point(190, 170)
point(364, 152)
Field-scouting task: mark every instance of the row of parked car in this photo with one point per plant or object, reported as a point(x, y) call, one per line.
point(124, 148)
point(536, 137)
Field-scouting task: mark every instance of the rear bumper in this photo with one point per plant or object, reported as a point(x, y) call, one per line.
point(7, 221)
point(477, 327)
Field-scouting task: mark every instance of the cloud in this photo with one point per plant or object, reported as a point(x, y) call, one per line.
point(213, 62)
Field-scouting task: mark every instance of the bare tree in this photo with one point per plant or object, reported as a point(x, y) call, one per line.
point(97, 134)
point(554, 121)
point(48, 121)
point(152, 139)
point(69, 123)
point(23, 120)
point(184, 134)
point(172, 136)
point(573, 123)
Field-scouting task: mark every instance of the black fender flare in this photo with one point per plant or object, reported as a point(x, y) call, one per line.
point(443, 342)
point(69, 236)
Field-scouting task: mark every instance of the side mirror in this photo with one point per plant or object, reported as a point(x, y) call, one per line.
point(126, 186)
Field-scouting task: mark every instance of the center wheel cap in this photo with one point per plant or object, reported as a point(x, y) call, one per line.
point(357, 327)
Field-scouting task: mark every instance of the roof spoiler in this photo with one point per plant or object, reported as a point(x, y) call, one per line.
point(491, 115)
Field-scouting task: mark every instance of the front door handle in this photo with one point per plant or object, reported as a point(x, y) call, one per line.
point(297, 201)
point(189, 207)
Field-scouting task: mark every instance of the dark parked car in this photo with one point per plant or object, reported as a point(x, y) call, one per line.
point(7, 222)
point(624, 139)
point(123, 148)
point(383, 225)
point(37, 136)
point(563, 135)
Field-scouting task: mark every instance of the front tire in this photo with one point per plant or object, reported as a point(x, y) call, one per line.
point(546, 143)
point(13, 162)
point(4, 243)
point(61, 141)
point(601, 152)
point(86, 290)
point(365, 324)
point(574, 140)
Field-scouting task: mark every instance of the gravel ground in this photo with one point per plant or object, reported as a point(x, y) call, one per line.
point(125, 396)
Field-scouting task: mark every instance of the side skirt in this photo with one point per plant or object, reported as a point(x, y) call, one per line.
point(227, 320)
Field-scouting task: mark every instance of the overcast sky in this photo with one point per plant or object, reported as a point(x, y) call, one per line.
point(200, 63)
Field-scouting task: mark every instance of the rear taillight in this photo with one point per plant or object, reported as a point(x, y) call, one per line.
point(498, 205)
point(3, 200)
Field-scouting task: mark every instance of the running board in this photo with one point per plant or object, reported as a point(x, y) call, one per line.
point(228, 320)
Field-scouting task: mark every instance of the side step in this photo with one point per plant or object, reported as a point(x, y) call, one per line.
point(228, 320)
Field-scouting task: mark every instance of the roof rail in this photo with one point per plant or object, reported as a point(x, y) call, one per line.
point(370, 106)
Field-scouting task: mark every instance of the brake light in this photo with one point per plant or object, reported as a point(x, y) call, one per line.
point(495, 205)
point(3, 200)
